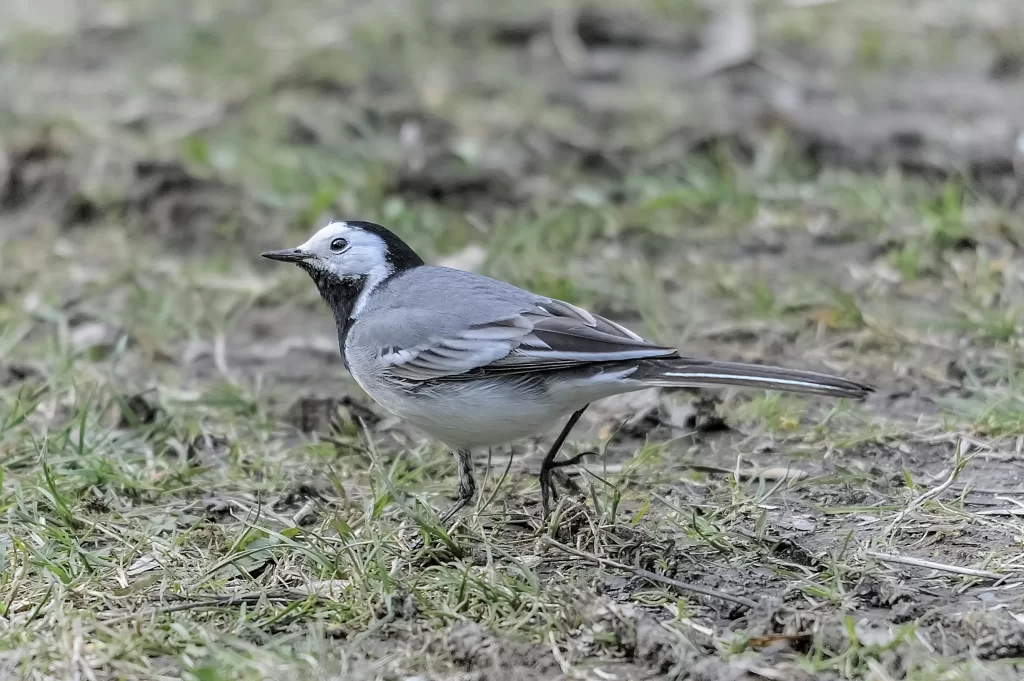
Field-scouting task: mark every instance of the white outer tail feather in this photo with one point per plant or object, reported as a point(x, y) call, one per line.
point(683, 372)
point(716, 378)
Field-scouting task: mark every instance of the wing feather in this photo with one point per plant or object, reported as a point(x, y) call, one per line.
point(550, 335)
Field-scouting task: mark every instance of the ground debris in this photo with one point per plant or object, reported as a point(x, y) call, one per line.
point(138, 410)
point(596, 27)
point(325, 414)
point(704, 417)
point(913, 135)
point(878, 592)
point(301, 490)
point(469, 646)
point(994, 635)
point(622, 630)
point(17, 372)
point(187, 210)
point(452, 185)
point(35, 169)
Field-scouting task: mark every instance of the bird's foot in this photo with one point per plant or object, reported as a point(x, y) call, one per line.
point(573, 461)
point(548, 489)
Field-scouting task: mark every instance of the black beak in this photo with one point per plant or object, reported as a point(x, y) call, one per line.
point(294, 255)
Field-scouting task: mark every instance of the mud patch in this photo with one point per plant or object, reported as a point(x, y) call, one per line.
point(187, 211)
point(36, 176)
point(472, 648)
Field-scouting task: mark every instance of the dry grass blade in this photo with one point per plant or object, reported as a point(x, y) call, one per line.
point(651, 576)
point(215, 602)
point(932, 565)
point(959, 462)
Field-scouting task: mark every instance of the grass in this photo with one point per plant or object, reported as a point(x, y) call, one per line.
point(192, 487)
point(125, 531)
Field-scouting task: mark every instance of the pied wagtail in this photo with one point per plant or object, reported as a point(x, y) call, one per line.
point(474, 361)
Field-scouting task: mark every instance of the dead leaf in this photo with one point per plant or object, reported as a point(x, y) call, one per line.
point(774, 473)
point(144, 564)
point(327, 587)
point(801, 523)
point(91, 335)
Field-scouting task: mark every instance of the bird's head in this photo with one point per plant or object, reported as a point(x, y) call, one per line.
point(347, 260)
point(350, 250)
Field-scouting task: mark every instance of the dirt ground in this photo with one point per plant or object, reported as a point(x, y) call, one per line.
point(193, 487)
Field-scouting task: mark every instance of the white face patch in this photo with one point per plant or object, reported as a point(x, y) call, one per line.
point(364, 255)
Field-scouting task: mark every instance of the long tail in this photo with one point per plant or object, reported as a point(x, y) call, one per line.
point(689, 372)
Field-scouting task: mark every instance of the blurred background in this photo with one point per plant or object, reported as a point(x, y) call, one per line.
point(643, 158)
point(827, 184)
point(629, 157)
point(759, 175)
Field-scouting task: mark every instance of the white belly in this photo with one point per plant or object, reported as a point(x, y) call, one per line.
point(467, 414)
point(484, 413)
point(464, 416)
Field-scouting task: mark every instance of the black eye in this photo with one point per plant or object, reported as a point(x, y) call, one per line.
point(338, 245)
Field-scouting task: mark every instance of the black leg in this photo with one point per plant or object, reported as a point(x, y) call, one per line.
point(547, 490)
point(467, 485)
point(556, 468)
point(573, 461)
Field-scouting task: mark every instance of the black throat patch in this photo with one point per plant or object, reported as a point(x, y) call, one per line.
point(341, 296)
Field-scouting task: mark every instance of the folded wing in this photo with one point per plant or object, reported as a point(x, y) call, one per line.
point(550, 335)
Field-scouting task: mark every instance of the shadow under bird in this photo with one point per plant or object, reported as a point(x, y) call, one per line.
point(474, 361)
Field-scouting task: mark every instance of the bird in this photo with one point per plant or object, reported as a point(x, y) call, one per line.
point(475, 362)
